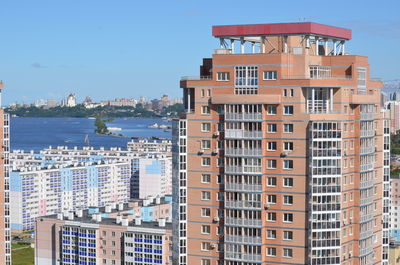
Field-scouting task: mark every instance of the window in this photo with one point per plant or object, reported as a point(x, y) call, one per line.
point(271, 252)
point(220, 109)
point(205, 144)
point(205, 195)
point(220, 196)
point(288, 110)
point(270, 75)
point(205, 110)
point(288, 253)
point(272, 199)
point(288, 217)
point(206, 127)
point(287, 200)
point(288, 146)
point(205, 161)
point(219, 179)
point(288, 164)
point(220, 162)
point(205, 229)
point(223, 76)
point(205, 212)
point(271, 163)
point(287, 235)
point(271, 109)
point(271, 146)
point(271, 127)
point(271, 181)
point(246, 80)
point(285, 92)
point(205, 262)
point(271, 217)
point(205, 178)
point(292, 92)
point(288, 128)
point(271, 234)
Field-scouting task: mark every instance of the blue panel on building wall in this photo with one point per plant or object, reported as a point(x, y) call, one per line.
point(15, 181)
point(396, 234)
point(147, 214)
point(93, 210)
point(168, 198)
point(93, 177)
point(66, 179)
point(96, 158)
point(154, 167)
point(16, 226)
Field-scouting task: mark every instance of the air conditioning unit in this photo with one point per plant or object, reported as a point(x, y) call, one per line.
point(216, 219)
point(267, 205)
point(212, 246)
point(215, 151)
point(216, 133)
point(285, 153)
point(201, 151)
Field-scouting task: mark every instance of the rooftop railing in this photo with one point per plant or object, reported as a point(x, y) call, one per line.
point(205, 77)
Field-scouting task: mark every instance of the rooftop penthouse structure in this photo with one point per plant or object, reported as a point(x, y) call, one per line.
point(282, 156)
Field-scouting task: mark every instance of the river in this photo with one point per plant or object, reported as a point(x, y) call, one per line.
point(38, 133)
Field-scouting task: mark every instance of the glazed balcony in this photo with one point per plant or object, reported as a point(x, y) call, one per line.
point(243, 169)
point(243, 116)
point(242, 204)
point(243, 239)
point(241, 134)
point(242, 187)
point(243, 222)
point(243, 257)
point(242, 152)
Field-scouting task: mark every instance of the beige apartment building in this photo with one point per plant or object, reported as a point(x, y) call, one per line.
point(282, 156)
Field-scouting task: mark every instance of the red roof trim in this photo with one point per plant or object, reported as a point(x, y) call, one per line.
point(281, 29)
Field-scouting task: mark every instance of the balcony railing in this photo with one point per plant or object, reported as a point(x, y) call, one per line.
point(367, 167)
point(329, 77)
point(243, 169)
point(229, 133)
point(367, 116)
point(243, 204)
point(367, 201)
point(205, 77)
point(367, 133)
point(243, 239)
point(243, 152)
point(244, 257)
point(243, 222)
point(367, 150)
point(243, 116)
point(318, 106)
point(366, 184)
point(242, 187)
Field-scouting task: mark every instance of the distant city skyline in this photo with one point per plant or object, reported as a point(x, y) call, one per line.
point(132, 49)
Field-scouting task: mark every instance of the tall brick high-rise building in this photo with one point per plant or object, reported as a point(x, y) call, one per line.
point(282, 156)
point(5, 234)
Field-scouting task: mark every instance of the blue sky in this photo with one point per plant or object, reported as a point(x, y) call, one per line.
point(128, 48)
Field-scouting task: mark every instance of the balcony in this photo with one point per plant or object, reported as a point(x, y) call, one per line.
point(319, 106)
point(243, 116)
point(367, 133)
point(243, 169)
point(366, 184)
point(367, 167)
point(243, 239)
point(243, 204)
point(242, 187)
point(243, 257)
point(367, 201)
point(367, 150)
point(367, 116)
point(240, 134)
point(242, 152)
point(318, 77)
point(243, 222)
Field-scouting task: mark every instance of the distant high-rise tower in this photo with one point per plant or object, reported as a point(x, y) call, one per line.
point(5, 234)
point(283, 154)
